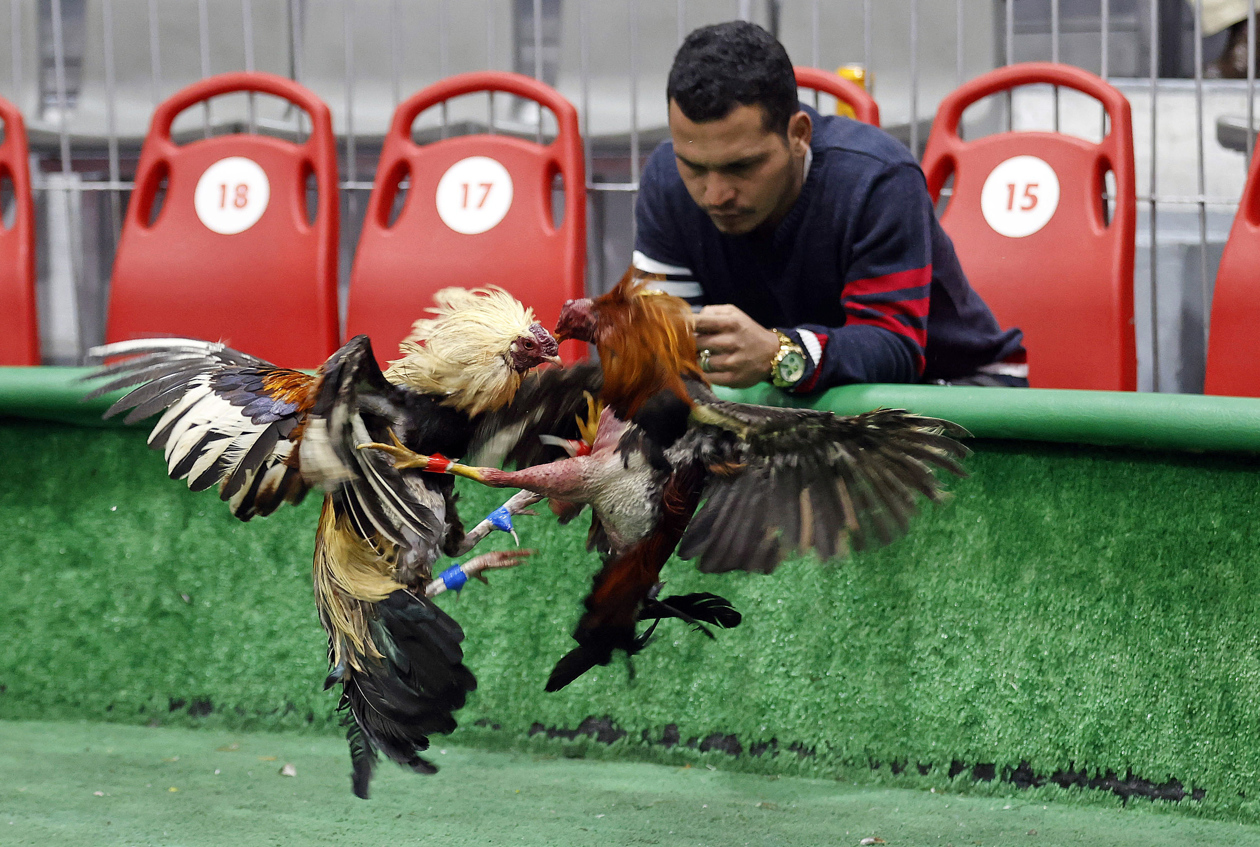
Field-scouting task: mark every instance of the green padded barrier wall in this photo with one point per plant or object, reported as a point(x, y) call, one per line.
point(1076, 615)
point(1163, 421)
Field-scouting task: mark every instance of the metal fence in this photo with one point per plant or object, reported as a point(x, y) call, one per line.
point(87, 74)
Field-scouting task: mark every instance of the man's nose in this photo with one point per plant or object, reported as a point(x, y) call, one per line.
point(718, 191)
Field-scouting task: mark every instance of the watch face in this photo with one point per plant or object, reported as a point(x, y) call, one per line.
point(791, 368)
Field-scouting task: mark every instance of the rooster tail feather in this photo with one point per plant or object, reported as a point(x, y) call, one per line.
point(696, 609)
point(595, 647)
point(395, 702)
point(362, 755)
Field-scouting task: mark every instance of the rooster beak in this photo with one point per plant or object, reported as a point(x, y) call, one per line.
point(555, 360)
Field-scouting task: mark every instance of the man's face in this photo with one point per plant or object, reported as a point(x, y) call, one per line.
point(739, 173)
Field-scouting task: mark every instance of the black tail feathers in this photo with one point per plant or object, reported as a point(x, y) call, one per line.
point(411, 693)
point(596, 646)
point(696, 609)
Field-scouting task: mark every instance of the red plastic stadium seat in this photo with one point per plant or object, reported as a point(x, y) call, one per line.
point(231, 255)
point(864, 107)
point(478, 212)
point(1233, 356)
point(1028, 221)
point(19, 330)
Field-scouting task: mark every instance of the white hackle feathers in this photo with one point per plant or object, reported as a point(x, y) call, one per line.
point(464, 351)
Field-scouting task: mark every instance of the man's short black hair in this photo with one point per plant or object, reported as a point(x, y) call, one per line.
point(734, 63)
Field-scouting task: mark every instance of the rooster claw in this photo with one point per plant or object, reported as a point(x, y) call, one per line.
point(404, 457)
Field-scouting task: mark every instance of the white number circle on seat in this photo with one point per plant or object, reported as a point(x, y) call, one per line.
point(474, 195)
point(1020, 196)
point(232, 195)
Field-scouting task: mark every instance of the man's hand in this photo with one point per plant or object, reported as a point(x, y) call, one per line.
point(740, 349)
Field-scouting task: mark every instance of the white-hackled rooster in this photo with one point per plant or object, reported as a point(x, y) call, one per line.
point(266, 435)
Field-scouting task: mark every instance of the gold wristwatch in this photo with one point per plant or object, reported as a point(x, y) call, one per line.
point(787, 368)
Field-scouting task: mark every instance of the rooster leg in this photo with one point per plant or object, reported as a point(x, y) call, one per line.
point(453, 578)
point(563, 479)
point(405, 458)
point(501, 519)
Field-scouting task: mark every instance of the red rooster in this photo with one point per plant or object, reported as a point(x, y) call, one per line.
point(266, 435)
point(773, 481)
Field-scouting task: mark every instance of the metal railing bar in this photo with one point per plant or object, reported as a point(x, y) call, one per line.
point(1104, 53)
point(443, 63)
point(100, 185)
point(352, 165)
point(73, 234)
point(395, 84)
point(491, 37)
point(15, 46)
point(1054, 54)
point(296, 48)
point(868, 48)
point(634, 92)
point(959, 37)
point(293, 13)
point(816, 49)
point(111, 118)
point(1187, 199)
point(203, 43)
point(538, 60)
point(59, 76)
point(1074, 25)
point(247, 33)
point(155, 54)
point(1154, 210)
point(1251, 83)
point(914, 77)
point(584, 68)
point(1009, 59)
point(1202, 173)
point(1104, 48)
point(815, 19)
point(612, 186)
point(491, 48)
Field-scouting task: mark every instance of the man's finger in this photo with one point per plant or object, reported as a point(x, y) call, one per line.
point(714, 319)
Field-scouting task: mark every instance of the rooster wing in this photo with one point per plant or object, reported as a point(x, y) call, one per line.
point(783, 481)
point(230, 418)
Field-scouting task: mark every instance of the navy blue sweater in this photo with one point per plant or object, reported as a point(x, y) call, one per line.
point(859, 263)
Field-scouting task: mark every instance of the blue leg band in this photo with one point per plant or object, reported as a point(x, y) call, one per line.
point(454, 578)
point(500, 519)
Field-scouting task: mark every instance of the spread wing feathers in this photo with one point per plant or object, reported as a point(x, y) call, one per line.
point(353, 404)
point(411, 691)
point(788, 480)
point(230, 418)
point(548, 403)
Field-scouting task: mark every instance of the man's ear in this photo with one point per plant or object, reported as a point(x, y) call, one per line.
point(800, 131)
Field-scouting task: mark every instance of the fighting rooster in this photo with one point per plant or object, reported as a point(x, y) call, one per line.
point(266, 435)
point(773, 481)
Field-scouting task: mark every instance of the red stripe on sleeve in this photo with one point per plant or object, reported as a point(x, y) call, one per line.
point(905, 317)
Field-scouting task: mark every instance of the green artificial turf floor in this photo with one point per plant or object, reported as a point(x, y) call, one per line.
point(87, 784)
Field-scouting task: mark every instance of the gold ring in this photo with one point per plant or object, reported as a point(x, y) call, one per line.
point(704, 359)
